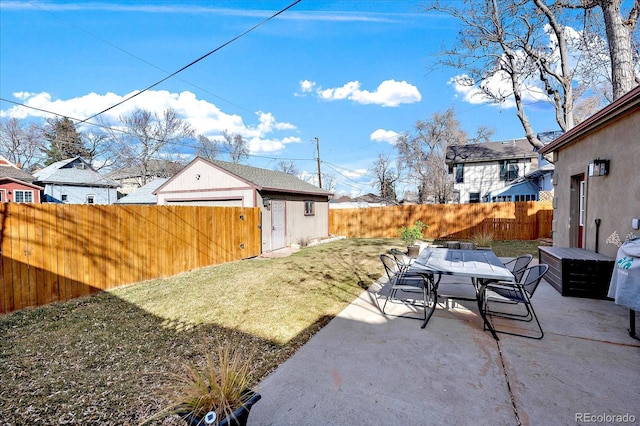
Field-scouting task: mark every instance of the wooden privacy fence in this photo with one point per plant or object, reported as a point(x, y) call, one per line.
point(53, 252)
point(506, 221)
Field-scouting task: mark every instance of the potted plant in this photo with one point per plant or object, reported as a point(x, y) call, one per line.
point(409, 234)
point(216, 393)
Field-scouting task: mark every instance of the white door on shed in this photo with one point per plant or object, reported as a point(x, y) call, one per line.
point(277, 224)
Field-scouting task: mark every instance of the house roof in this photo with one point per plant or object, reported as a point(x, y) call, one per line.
point(265, 179)
point(629, 103)
point(10, 170)
point(144, 194)
point(73, 171)
point(21, 182)
point(490, 151)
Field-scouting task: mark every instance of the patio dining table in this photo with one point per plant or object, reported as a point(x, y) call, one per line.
point(482, 266)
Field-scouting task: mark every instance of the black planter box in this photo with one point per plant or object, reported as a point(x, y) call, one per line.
point(238, 418)
point(577, 272)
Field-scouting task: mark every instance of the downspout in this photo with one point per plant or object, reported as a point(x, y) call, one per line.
point(598, 221)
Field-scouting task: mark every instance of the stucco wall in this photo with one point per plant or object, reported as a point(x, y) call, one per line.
point(614, 199)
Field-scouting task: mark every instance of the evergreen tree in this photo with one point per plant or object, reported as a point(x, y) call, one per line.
point(64, 140)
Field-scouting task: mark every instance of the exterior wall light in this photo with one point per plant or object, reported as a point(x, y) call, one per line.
point(599, 167)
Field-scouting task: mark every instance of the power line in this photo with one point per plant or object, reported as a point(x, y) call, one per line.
point(194, 62)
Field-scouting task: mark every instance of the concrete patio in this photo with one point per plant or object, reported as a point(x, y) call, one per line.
point(364, 368)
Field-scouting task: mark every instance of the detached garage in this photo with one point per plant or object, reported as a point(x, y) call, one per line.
point(292, 210)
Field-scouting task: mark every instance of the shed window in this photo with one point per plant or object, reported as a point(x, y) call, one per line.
point(64, 198)
point(474, 197)
point(1, 195)
point(91, 199)
point(309, 208)
point(20, 196)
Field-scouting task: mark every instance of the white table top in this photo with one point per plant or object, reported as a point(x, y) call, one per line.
point(482, 264)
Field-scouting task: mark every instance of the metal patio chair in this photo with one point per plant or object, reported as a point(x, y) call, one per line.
point(518, 265)
point(402, 259)
point(407, 284)
point(519, 293)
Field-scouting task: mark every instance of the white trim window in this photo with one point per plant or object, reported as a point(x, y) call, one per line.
point(459, 170)
point(309, 208)
point(91, 199)
point(3, 195)
point(583, 204)
point(22, 196)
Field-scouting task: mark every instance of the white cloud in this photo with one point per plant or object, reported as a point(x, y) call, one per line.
point(291, 139)
point(382, 135)
point(390, 93)
point(354, 174)
point(257, 145)
point(205, 117)
point(307, 86)
point(499, 84)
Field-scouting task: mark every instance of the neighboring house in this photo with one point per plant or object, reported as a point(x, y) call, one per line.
point(144, 194)
point(293, 211)
point(130, 178)
point(538, 183)
point(73, 181)
point(482, 169)
point(16, 185)
point(597, 177)
point(363, 201)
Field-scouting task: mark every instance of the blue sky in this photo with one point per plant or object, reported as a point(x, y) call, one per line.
point(351, 73)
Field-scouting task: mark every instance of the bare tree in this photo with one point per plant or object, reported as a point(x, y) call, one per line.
point(236, 146)
point(21, 144)
point(328, 182)
point(101, 151)
point(149, 136)
point(619, 34)
point(385, 176)
point(423, 152)
point(502, 47)
point(529, 46)
point(208, 148)
point(288, 167)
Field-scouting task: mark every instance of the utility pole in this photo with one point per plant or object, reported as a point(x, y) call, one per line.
point(319, 175)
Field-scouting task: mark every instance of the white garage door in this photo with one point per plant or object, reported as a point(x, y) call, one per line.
point(210, 203)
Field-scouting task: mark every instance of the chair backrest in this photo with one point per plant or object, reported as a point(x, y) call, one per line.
point(390, 266)
point(519, 264)
point(401, 258)
point(532, 277)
